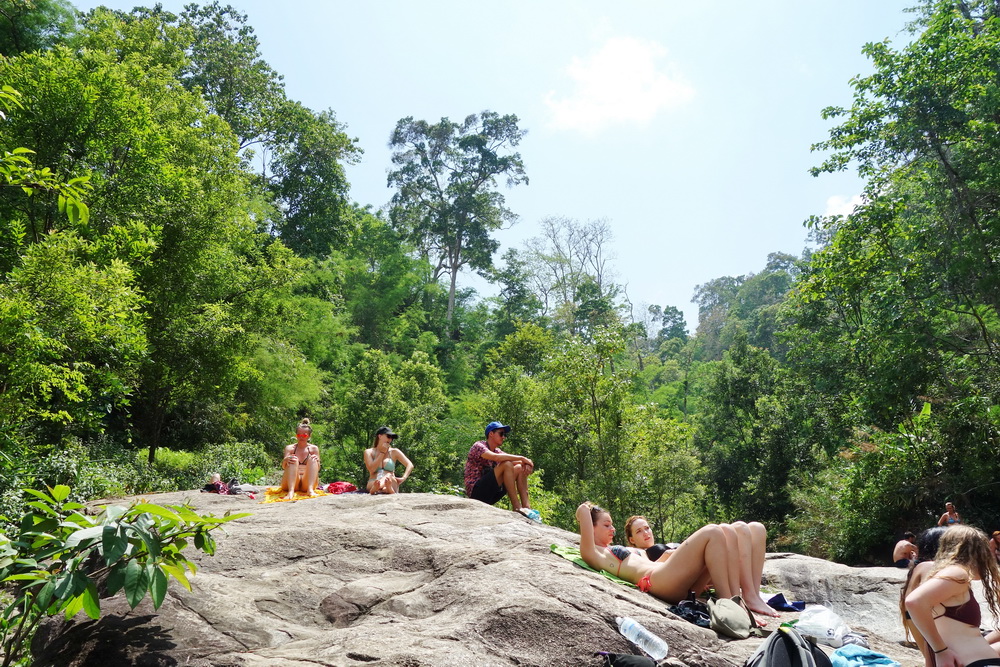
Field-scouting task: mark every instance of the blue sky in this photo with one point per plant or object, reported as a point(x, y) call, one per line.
point(687, 128)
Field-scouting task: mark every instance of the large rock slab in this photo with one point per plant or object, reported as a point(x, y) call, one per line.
point(413, 580)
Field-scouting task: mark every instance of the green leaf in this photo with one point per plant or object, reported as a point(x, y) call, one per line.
point(116, 577)
point(158, 587)
point(113, 542)
point(178, 574)
point(73, 607)
point(84, 534)
point(60, 492)
point(136, 583)
point(157, 510)
point(91, 601)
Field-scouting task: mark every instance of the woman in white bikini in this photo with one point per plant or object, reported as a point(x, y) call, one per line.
point(381, 460)
point(747, 540)
point(943, 608)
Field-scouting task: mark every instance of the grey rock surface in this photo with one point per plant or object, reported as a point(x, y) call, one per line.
point(419, 579)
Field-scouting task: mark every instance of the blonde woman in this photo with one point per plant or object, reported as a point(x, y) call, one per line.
point(301, 463)
point(943, 608)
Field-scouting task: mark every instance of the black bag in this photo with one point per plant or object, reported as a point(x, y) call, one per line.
point(785, 647)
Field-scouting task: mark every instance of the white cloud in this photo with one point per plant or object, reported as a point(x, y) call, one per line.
point(625, 81)
point(840, 205)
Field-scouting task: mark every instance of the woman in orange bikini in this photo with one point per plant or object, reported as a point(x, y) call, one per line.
point(747, 540)
point(942, 606)
point(702, 557)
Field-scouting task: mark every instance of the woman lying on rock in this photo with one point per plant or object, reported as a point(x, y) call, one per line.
point(747, 540)
point(702, 557)
point(943, 608)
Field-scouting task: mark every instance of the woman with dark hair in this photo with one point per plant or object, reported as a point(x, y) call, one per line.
point(301, 463)
point(702, 557)
point(381, 459)
point(927, 547)
point(747, 540)
point(942, 606)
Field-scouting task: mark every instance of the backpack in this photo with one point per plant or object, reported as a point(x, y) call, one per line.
point(785, 647)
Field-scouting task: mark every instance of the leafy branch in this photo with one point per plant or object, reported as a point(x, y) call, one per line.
point(59, 556)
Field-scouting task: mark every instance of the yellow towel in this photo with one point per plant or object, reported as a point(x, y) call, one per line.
point(274, 494)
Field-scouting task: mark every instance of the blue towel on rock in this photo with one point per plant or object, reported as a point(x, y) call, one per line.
point(852, 655)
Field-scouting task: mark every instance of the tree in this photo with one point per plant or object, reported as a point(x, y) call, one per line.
point(446, 201)
point(569, 265)
point(34, 25)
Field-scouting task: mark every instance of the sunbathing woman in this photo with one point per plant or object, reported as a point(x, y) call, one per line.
point(301, 463)
point(747, 540)
point(927, 548)
point(943, 607)
point(702, 556)
point(381, 460)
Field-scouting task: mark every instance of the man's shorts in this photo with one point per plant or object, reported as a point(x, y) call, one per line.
point(488, 490)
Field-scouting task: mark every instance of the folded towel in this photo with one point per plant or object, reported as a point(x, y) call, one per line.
point(852, 655)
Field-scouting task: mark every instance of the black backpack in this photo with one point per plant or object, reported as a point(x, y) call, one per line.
point(785, 647)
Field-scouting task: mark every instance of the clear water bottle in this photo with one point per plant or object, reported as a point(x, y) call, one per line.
point(641, 637)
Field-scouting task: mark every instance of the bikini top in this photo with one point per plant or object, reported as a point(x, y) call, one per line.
point(968, 612)
point(621, 553)
point(388, 464)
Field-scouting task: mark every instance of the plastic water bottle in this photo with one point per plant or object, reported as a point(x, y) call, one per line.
point(643, 638)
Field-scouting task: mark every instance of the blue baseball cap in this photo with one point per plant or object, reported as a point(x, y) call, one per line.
point(492, 426)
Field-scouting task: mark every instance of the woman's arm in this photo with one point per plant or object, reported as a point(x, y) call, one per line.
point(401, 457)
point(944, 517)
point(370, 460)
point(289, 451)
point(594, 556)
point(921, 601)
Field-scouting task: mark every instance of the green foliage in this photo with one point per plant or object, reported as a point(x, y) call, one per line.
point(58, 556)
point(31, 25)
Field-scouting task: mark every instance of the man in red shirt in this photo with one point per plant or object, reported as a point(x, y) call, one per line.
point(490, 472)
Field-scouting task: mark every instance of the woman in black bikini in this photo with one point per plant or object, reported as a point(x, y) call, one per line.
point(943, 608)
point(301, 463)
point(702, 556)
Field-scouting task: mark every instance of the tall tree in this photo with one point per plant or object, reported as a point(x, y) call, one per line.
point(447, 202)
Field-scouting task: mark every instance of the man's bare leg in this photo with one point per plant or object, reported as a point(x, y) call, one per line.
point(507, 474)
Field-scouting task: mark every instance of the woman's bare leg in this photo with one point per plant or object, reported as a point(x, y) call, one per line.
point(706, 549)
point(307, 482)
point(289, 479)
point(752, 538)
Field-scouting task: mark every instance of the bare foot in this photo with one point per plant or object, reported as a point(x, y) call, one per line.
point(760, 607)
point(290, 496)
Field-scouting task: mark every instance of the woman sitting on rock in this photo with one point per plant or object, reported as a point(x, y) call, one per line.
point(702, 557)
point(301, 463)
point(927, 548)
point(747, 540)
point(381, 460)
point(943, 608)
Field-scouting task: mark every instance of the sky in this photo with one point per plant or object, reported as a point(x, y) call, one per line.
point(686, 126)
